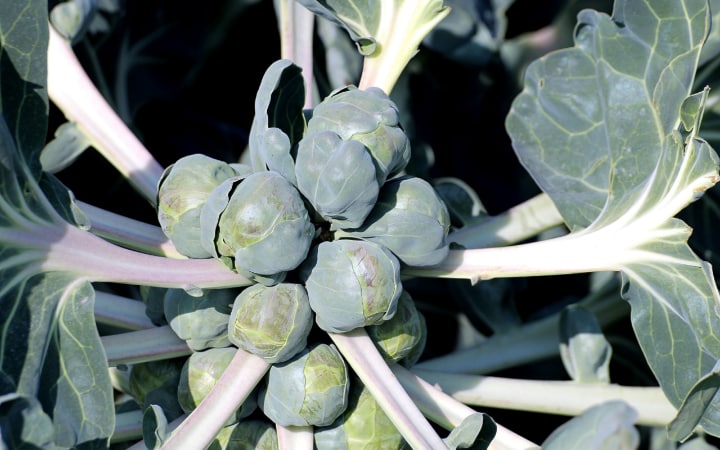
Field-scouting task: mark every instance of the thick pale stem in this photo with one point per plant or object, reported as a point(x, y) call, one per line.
point(76, 96)
point(517, 224)
point(230, 391)
point(295, 437)
point(80, 252)
point(296, 41)
point(567, 398)
point(141, 346)
point(360, 352)
point(120, 312)
point(129, 232)
point(450, 413)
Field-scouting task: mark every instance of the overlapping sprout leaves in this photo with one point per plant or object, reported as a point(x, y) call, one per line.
point(291, 301)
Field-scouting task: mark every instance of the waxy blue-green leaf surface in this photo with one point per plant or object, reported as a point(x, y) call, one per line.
point(608, 425)
point(49, 346)
point(601, 128)
point(279, 122)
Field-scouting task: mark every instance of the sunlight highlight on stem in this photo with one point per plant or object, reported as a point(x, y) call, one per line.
point(73, 92)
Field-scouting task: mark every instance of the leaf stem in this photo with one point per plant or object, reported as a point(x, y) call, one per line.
point(517, 224)
point(121, 312)
point(295, 437)
point(230, 391)
point(141, 346)
point(74, 93)
point(89, 256)
point(361, 354)
point(567, 398)
point(129, 232)
point(449, 412)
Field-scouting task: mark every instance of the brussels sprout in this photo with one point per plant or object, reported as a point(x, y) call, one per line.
point(271, 322)
point(368, 116)
point(183, 189)
point(363, 426)
point(310, 389)
point(154, 299)
point(265, 225)
point(351, 284)
point(410, 219)
point(200, 373)
point(155, 382)
point(246, 435)
point(401, 338)
point(200, 321)
point(337, 177)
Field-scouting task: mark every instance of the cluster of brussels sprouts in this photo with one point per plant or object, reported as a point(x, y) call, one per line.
point(324, 240)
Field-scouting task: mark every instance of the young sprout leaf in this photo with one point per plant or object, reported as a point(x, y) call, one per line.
point(279, 122)
point(607, 425)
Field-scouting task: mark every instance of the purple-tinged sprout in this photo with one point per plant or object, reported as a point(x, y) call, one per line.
point(351, 284)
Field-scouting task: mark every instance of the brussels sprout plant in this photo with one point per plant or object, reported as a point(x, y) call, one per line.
point(429, 224)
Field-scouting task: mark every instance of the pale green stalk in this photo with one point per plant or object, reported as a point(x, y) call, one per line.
point(230, 391)
point(361, 354)
point(72, 91)
point(128, 426)
point(296, 26)
point(129, 232)
point(120, 312)
point(144, 345)
point(449, 413)
point(568, 398)
point(295, 437)
point(403, 25)
point(517, 224)
point(70, 249)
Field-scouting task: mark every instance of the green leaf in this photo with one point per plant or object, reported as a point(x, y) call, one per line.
point(607, 425)
point(476, 432)
point(593, 120)
point(69, 143)
point(692, 410)
point(606, 130)
point(279, 123)
point(23, 75)
point(155, 427)
point(584, 351)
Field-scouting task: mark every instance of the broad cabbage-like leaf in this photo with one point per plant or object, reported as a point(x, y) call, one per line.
point(603, 129)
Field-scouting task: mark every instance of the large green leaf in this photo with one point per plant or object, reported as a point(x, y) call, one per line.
point(23, 75)
point(605, 130)
point(53, 372)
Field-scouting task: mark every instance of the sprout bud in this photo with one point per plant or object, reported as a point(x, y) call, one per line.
point(200, 373)
point(265, 225)
point(183, 189)
point(201, 322)
point(271, 322)
point(337, 177)
point(155, 382)
point(368, 116)
point(401, 338)
point(246, 435)
point(310, 389)
point(411, 220)
point(351, 284)
point(363, 426)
